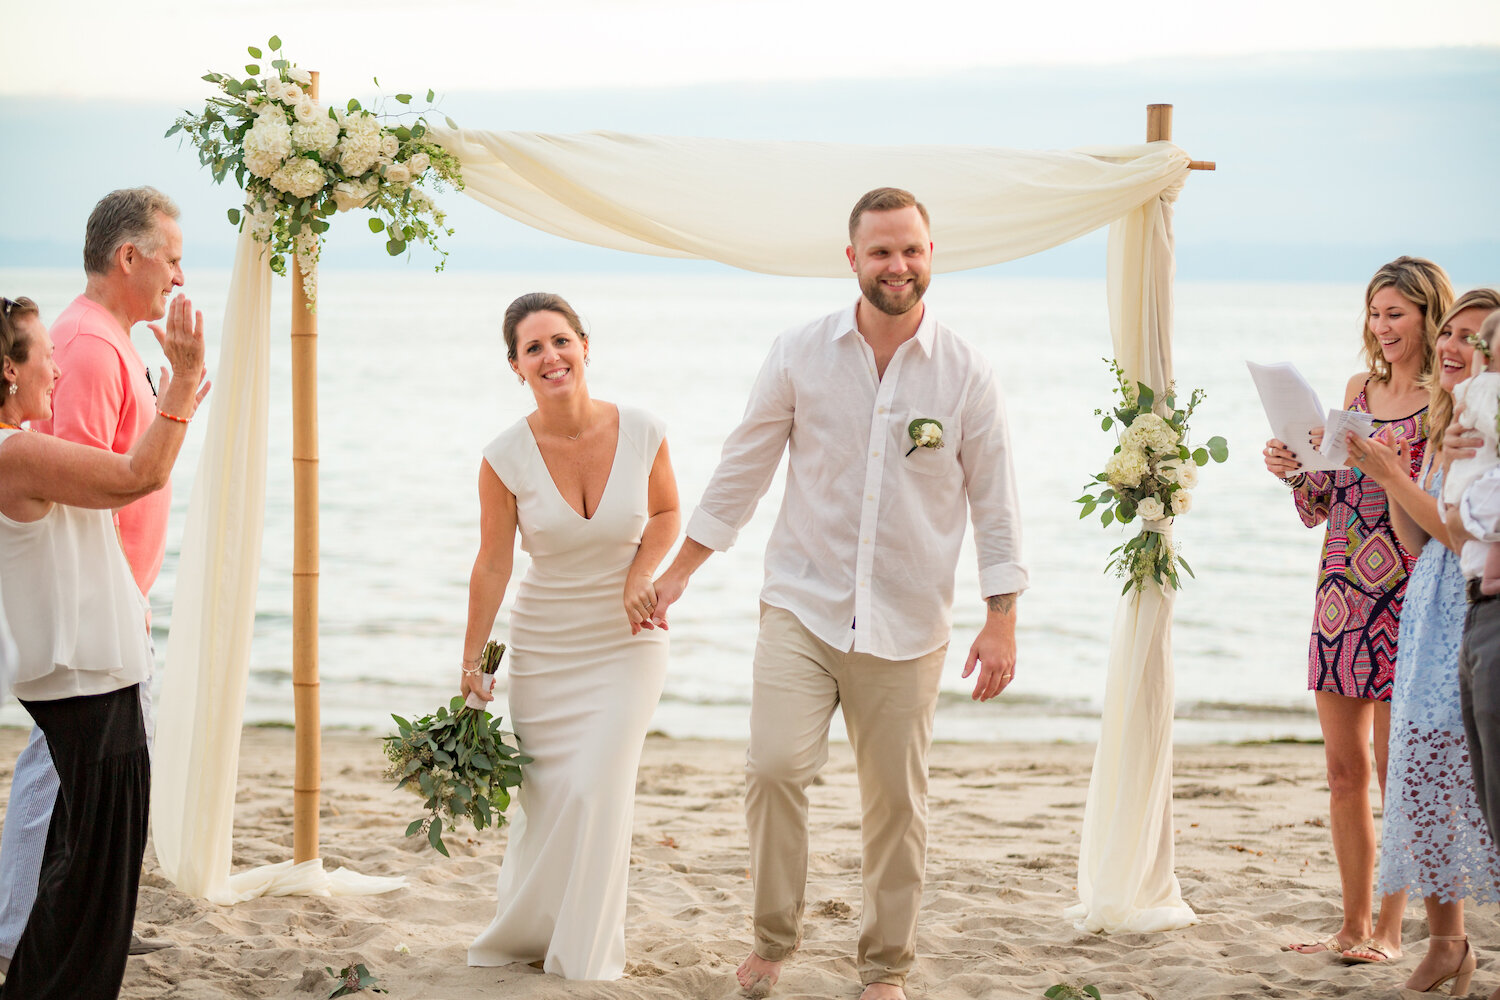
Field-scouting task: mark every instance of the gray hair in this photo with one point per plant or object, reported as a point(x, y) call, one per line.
point(124, 216)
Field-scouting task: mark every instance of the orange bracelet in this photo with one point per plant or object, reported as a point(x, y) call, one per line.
point(169, 416)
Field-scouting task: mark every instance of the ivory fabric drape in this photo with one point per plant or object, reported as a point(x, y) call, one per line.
point(774, 207)
point(1126, 880)
point(201, 709)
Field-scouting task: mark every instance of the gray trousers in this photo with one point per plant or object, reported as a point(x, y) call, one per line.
point(28, 816)
point(1479, 692)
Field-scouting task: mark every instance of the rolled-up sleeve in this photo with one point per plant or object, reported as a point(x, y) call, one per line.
point(1480, 507)
point(750, 456)
point(990, 484)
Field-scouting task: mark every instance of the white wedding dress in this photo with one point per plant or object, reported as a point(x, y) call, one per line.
point(582, 691)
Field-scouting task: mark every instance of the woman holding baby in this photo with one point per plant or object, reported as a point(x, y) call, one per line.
point(1435, 843)
point(1361, 586)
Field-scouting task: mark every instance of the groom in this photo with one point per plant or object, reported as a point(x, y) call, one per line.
point(857, 602)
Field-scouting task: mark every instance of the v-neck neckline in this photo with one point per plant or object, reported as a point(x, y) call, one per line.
point(609, 477)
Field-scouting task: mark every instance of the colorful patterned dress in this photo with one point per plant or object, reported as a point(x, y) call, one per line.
point(1363, 577)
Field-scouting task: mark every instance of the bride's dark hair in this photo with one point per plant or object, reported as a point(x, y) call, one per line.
point(534, 302)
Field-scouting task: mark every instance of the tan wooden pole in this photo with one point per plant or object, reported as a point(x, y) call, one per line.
point(1159, 129)
point(307, 781)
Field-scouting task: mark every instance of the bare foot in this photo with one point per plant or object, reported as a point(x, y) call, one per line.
point(757, 975)
point(883, 991)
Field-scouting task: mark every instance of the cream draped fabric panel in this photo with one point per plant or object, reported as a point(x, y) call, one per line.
point(1126, 880)
point(195, 761)
point(774, 207)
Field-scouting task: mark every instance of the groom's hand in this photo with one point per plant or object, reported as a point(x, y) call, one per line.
point(669, 586)
point(994, 649)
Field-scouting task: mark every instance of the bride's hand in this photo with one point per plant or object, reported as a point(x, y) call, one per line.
point(473, 684)
point(640, 602)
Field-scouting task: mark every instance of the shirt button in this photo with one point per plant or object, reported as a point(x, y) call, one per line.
point(874, 454)
point(870, 497)
point(864, 541)
point(881, 410)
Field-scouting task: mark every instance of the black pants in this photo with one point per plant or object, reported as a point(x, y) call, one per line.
point(78, 935)
point(1479, 692)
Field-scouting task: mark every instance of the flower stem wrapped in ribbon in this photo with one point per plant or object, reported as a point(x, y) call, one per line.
point(1150, 475)
point(458, 760)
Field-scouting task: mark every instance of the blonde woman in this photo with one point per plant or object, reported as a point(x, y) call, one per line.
point(1352, 651)
point(1435, 842)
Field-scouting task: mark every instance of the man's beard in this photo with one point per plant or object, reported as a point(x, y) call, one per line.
point(883, 300)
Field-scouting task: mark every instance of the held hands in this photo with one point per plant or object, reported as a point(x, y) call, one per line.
point(641, 604)
point(182, 343)
point(1385, 457)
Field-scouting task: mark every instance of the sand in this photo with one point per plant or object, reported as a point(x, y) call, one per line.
point(1253, 855)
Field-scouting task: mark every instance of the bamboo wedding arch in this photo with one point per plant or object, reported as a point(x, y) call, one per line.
point(687, 198)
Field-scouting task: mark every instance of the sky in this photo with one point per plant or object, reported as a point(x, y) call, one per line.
point(1346, 132)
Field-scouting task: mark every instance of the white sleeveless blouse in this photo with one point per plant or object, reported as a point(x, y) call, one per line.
point(77, 618)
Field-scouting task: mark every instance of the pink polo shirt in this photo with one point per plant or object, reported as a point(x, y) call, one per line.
point(104, 399)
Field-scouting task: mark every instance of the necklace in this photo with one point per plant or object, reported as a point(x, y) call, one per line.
point(11, 427)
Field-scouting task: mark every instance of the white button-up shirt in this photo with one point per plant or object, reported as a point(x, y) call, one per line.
point(864, 548)
point(1480, 510)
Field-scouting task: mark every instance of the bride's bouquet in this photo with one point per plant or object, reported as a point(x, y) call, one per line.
point(458, 760)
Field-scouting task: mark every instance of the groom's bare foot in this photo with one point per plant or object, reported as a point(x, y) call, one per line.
point(883, 991)
point(757, 975)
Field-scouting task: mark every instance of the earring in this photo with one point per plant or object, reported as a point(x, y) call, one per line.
point(520, 378)
point(13, 390)
point(586, 362)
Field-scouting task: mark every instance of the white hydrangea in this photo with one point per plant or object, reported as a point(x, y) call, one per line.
point(353, 194)
point(300, 178)
point(1151, 432)
point(1182, 502)
point(267, 144)
point(1126, 467)
point(1150, 509)
point(319, 135)
point(360, 146)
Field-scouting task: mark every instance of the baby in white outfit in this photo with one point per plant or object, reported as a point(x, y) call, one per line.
point(1476, 401)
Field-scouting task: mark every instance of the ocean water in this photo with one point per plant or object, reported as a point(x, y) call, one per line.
point(413, 382)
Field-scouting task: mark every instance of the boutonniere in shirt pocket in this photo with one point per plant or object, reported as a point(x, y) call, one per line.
point(924, 433)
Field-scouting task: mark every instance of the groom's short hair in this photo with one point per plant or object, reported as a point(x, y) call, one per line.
point(124, 216)
point(885, 199)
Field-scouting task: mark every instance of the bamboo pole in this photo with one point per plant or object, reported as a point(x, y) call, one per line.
point(307, 781)
point(1159, 129)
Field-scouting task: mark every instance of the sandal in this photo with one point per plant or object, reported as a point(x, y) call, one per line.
point(1372, 946)
point(1330, 943)
point(1457, 981)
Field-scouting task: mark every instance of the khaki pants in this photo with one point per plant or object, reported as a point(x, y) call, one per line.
point(888, 708)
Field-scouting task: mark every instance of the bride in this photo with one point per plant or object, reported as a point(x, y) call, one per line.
point(590, 488)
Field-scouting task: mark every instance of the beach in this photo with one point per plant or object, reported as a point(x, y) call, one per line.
point(1253, 856)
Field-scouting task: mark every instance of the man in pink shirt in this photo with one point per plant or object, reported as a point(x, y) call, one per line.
point(132, 256)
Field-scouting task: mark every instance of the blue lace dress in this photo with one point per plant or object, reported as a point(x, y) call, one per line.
point(1434, 841)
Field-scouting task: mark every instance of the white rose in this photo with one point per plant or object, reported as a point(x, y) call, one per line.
point(1126, 467)
point(1182, 502)
point(929, 435)
point(418, 164)
point(353, 194)
point(1150, 509)
point(299, 178)
point(301, 76)
point(1187, 474)
point(291, 94)
point(397, 173)
point(308, 110)
point(273, 87)
point(267, 145)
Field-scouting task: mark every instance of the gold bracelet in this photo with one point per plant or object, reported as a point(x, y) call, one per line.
point(173, 417)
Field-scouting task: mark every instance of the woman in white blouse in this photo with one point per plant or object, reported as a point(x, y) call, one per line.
point(79, 626)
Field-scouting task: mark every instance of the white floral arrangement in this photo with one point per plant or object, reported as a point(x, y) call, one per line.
point(1151, 475)
point(300, 161)
point(924, 433)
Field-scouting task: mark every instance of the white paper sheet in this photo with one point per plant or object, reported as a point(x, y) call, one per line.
point(1292, 406)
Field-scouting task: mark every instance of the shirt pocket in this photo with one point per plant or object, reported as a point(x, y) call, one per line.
point(937, 462)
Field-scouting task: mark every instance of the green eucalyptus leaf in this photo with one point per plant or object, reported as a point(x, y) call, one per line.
point(274, 43)
point(430, 95)
point(435, 836)
point(234, 216)
point(1200, 457)
point(252, 69)
point(403, 98)
point(414, 827)
point(254, 52)
point(395, 247)
point(1218, 448)
point(1106, 423)
point(376, 225)
point(451, 123)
